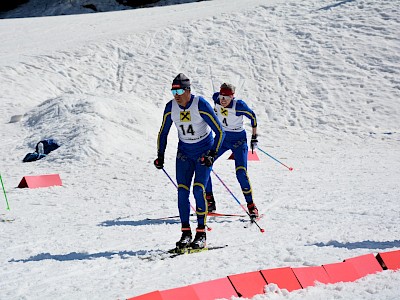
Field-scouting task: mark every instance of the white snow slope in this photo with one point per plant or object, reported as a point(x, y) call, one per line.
point(323, 79)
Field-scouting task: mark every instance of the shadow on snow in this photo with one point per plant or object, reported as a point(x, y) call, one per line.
point(363, 244)
point(336, 4)
point(82, 256)
point(119, 222)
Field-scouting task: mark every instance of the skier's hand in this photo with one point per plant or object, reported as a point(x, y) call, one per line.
point(208, 158)
point(159, 162)
point(253, 142)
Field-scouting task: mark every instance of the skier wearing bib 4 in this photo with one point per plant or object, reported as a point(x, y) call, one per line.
point(195, 121)
point(230, 112)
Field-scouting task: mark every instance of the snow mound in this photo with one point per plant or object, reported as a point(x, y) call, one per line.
point(88, 126)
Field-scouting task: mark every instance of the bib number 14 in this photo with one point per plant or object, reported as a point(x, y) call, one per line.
point(189, 129)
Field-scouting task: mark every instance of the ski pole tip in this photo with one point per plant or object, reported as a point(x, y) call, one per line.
point(290, 169)
point(262, 230)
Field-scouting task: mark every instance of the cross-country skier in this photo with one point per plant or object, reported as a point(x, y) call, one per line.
point(230, 112)
point(197, 148)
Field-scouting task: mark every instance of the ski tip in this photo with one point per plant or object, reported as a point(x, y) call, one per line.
point(174, 251)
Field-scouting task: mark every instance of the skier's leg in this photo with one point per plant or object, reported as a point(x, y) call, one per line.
point(202, 175)
point(184, 173)
point(240, 154)
point(209, 190)
point(243, 178)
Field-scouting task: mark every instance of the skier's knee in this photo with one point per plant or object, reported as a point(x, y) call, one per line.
point(183, 191)
point(198, 190)
point(241, 173)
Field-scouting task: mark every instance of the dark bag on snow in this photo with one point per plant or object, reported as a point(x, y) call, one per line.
point(42, 149)
point(48, 146)
point(33, 156)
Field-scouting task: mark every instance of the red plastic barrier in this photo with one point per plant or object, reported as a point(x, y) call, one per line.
point(248, 284)
point(252, 283)
point(186, 292)
point(365, 264)
point(40, 181)
point(341, 272)
point(156, 295)
point(307, 276)
point(214, 289)
point(389, 260)
point(250, 156)
point(283, 277)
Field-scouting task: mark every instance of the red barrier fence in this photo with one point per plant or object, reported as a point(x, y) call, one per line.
point(253, 283)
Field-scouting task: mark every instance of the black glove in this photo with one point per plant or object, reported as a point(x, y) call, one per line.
point(159, 162)
point(208, 159)
point(253, 142)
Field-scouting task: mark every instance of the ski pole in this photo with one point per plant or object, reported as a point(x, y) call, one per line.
point(173, 182)
point(237, 200)
point(290, 168)
point(212, 81)
point(4, 191)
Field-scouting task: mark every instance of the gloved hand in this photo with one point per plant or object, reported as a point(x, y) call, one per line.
point(208, 158)
point(159, 162)
point(253, 142)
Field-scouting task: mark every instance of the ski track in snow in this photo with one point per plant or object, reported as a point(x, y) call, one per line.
point(323, 80)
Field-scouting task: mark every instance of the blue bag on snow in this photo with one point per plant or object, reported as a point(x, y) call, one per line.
point(43, 148)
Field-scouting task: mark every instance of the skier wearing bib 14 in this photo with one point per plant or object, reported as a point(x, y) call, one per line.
point(197, 148)
point(230, 112)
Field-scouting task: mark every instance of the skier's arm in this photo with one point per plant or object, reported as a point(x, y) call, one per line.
point(243, 109)
point(208, 114)
point(216, 98)
point(164, 130)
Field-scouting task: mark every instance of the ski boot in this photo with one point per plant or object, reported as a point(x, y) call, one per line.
point(199, 241)
point(211, 202)
point(185, 240)
point(253, 211)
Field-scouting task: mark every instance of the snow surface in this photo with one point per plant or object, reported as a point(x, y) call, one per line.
point(323, 79)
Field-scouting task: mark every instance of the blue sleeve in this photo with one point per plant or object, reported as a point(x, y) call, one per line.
point(216, 98)
point(164, 130)
point(243, 110)
point(208, 114)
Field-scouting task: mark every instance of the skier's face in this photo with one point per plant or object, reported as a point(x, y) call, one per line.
point(225, 100)
point(182, 99)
